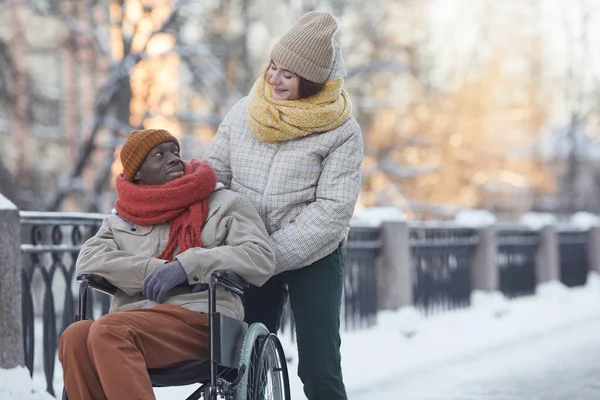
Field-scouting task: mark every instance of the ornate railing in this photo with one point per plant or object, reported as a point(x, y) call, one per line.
point(442, 256)
point(50, 245)
point(360, 277)
point(360, 253)
point(516, 259)
point(574, 261)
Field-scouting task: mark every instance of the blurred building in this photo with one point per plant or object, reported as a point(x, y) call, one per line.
point(457, 99)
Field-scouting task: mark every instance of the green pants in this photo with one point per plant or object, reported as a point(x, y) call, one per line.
point(315, 294)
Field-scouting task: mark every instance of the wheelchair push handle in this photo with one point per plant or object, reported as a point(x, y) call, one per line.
point(97, 282)
point(230, 280)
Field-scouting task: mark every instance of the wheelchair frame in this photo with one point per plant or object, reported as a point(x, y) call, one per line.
point(222, 329)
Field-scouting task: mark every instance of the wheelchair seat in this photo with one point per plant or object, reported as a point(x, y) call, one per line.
point(230, 332)
point(182, 374)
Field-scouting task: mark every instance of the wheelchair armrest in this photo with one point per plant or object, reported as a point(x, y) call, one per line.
point(230, 280)
point(98, 283)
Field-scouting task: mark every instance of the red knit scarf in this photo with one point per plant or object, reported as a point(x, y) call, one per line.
point(181, 202)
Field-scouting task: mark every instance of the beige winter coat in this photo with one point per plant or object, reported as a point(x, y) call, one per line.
point(234, 239)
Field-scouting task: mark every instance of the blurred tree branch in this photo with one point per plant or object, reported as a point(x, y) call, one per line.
point(580, 104)
point(114, 94)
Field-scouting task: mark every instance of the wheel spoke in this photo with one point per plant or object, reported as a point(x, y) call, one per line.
point(270, 379)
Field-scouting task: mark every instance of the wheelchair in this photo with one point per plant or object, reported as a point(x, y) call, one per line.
point(245, 362)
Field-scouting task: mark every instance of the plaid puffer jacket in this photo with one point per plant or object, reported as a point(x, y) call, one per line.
point(305, 190)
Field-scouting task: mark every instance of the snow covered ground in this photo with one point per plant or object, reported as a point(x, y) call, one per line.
point(15, 384)
point(403, 342)
point(559, 364)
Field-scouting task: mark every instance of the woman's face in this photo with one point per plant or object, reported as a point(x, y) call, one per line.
point(286, 84)
point(162, 165)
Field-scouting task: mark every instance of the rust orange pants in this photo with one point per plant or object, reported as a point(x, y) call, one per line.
point(108, 358)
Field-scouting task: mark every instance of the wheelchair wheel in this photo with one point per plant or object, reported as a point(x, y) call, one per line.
point(262, 360)
point(249, 348)
point(269, 374)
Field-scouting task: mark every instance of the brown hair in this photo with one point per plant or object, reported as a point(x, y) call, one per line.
point(306, 88)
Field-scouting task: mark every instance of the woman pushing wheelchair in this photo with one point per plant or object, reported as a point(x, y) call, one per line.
point(173, 225)
point(294, 150)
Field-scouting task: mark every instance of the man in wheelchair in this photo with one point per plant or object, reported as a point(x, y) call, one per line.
point(172, 228)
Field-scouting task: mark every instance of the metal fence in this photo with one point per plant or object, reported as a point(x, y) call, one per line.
point(360, 283)
point(574, 261)
point(442, 256)
point(50, 245)
point(359, 307)
point(516, 260)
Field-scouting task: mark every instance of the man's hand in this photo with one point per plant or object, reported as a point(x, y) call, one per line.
point(159, 282)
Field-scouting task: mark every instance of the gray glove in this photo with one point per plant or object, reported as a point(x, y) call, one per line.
point(164, 278)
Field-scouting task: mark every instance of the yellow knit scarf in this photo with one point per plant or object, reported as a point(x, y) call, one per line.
point(273, 121)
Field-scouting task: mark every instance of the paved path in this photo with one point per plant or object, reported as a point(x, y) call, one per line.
point(558, 365)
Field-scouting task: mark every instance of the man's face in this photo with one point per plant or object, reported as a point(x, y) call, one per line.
point(162, 165)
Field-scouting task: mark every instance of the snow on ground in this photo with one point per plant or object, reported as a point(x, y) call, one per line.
point(559, 364)
point(16, 384)
point(404, 341)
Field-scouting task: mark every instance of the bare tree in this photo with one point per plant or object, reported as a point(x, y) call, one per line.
point(19, 111)
point(112, 112)
point(114, 96)
point(580, 102)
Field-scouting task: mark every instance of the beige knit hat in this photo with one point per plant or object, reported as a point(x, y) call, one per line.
point(138, 145)
point(307, 49)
